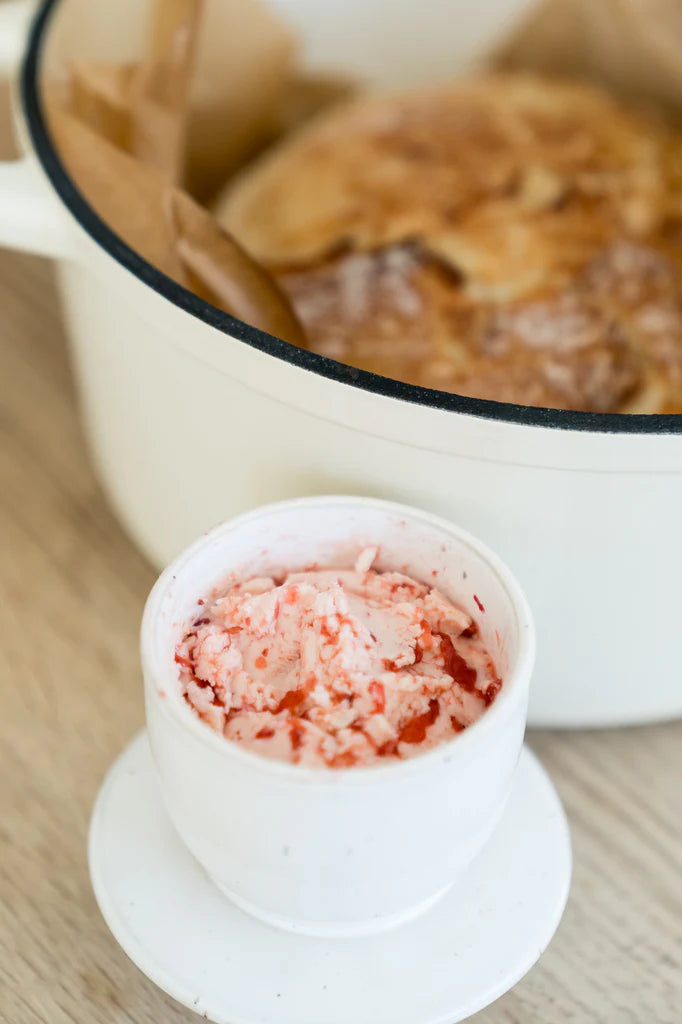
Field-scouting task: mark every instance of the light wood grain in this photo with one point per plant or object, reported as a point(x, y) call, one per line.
point(71, 591)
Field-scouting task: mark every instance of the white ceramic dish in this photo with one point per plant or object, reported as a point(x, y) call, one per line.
point(336, 851)
point(473, 946)
point(584, 507)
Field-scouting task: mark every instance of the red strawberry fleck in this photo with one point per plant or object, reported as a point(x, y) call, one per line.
point(415, 730)
point(378, 694)
point(291, 701)
point(456, 666)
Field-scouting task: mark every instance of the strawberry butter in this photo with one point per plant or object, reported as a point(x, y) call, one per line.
point(335, 667)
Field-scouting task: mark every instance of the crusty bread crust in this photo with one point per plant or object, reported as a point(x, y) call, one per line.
point(511, 237)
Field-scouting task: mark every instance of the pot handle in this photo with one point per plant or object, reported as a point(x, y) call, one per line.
point(31, 217)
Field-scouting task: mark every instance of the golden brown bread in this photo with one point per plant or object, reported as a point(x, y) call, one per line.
point(509, 237)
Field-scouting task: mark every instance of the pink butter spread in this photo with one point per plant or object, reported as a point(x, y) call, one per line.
point(336, 667)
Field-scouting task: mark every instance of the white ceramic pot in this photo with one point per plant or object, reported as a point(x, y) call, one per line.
point(193, 416)
point(336, 851)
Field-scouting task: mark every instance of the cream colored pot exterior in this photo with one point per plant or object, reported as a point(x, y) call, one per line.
point(188, 425)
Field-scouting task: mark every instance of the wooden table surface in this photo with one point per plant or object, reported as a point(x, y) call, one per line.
point(72, 587)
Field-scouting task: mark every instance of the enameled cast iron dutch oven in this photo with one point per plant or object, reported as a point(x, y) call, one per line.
point(193, 416)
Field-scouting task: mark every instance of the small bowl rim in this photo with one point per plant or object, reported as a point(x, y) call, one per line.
point(517, 681)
